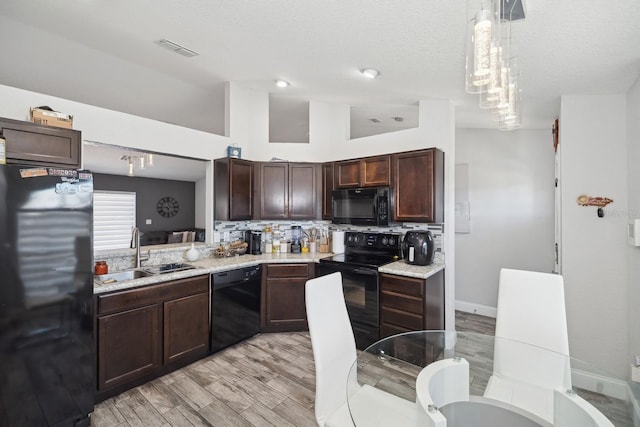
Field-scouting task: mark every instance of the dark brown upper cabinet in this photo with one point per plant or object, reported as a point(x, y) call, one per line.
point(418, 186)
point(233, 187)
point(327, 189)
point(40, 145)
point(372, 171)
point(287, 190)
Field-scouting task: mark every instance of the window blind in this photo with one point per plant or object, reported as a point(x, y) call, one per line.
point(114, 216)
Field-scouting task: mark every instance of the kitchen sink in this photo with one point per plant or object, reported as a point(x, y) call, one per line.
point(167, 268)
point(120, 276)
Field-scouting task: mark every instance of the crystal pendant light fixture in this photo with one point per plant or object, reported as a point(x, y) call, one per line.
point(482, 31)
point(490, 64)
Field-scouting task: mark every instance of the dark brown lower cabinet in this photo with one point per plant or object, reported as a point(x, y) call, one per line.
point(411, 304)
point(186, 327)
point(145, 332)
point(130, 346)
point(283, 304)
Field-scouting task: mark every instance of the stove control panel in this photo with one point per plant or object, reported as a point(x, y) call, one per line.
point(384, 241)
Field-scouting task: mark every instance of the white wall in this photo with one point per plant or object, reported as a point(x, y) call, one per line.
point(633, 180)
point(511, 197)
point(593, 144)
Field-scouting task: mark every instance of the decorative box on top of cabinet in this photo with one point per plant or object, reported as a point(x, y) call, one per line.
point(418, 186)
point(40, 145)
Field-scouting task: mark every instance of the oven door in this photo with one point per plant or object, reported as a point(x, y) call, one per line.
point(360, 286)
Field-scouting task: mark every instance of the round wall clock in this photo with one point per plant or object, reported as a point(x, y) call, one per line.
point(167, 207)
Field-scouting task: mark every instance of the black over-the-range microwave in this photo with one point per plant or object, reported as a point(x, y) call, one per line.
point(361, 206)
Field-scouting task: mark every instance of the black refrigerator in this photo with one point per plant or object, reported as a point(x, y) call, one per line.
point(46, 296)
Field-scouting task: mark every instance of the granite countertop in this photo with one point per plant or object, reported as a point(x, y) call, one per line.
point(211, 265)
point(214, 265)
point(401, 268)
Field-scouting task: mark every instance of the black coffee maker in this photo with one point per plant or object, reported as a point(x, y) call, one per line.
point(254, 239)
point(417, 247)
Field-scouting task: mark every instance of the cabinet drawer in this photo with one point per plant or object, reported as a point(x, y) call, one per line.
point(403, 319)
point(403, 285)
point(402, 302)
point(287, 270)
point(128, 299)
point(387, 329)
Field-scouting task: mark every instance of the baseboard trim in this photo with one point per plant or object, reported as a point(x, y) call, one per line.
point(469, 307)
point(612, 387)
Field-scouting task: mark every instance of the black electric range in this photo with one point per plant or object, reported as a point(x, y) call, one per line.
point(364, 253)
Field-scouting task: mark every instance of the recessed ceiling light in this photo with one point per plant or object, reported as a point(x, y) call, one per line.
point(370, 73)
point(282, 83)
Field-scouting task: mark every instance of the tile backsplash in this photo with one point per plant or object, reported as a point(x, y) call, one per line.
point(231, 230)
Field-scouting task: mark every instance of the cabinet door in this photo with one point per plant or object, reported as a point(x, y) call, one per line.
point(285, 305)
point(274, 190)
point(303, 190)
point(417, 187)
point(128, 346)
point(347, 173)
point(233, 189)
point(327, 189)
point(240, 189)
point(186, 327)
point(376, 171)
point(40, 145)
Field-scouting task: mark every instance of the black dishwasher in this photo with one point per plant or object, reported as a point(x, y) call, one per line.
point(235, 306)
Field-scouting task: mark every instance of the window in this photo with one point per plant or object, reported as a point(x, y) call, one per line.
point(114, 215)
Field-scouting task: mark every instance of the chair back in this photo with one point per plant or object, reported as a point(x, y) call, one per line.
point(332, 341)
point(531, 309)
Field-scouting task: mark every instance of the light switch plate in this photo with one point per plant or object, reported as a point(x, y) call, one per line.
point(148, 221)
point(635, 373)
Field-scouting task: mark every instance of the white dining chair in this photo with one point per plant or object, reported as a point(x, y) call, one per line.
point(531, 310)
point(334, 353)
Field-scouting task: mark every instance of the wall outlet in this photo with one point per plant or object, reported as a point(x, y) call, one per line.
point(148, 221)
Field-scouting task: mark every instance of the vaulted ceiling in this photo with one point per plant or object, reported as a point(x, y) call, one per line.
point(106, 53)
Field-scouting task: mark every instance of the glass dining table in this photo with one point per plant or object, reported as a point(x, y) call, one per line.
point(449, 378)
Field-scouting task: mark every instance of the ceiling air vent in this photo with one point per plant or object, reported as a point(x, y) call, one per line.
point(177, 48)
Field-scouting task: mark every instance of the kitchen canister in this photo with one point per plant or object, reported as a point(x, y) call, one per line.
point(193, 254)
point(337, 242)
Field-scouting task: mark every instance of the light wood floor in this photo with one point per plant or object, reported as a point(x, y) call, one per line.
point(264, 381)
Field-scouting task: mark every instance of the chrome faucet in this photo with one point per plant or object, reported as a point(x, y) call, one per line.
point(135, 243)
